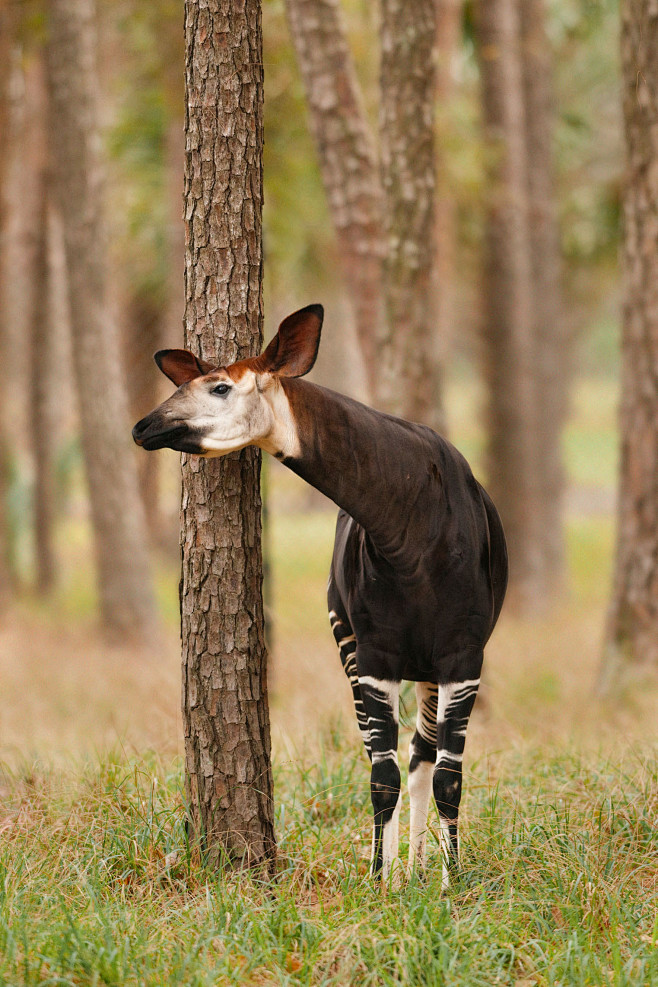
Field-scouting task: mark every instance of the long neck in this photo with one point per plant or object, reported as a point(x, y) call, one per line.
point(374, 466)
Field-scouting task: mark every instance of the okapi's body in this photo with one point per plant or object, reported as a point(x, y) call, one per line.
point(419, 568)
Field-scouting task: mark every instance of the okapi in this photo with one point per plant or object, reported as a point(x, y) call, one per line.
point(419, 567)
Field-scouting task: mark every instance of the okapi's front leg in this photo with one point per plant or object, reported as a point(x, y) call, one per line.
point(346, 641)
point(422, 759)
point(381, 699)
point(456, 702)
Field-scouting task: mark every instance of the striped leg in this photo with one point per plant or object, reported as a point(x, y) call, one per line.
point(381, 699)
point(454, 709)
point(422, 759)
point(346, 642)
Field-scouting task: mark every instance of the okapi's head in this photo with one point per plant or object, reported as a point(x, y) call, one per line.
point(217, 410)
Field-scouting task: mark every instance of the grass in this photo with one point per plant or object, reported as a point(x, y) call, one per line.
point(98, 883)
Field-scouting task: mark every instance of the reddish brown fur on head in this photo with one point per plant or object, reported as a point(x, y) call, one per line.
point(220, 409)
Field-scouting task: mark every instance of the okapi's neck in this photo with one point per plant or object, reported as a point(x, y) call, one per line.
point(374, 466)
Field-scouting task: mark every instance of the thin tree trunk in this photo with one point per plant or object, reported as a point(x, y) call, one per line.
point(118, 521)
point(551, 365)
point(507, 335)
point(225, 708)
point(42, 368)
point(174, 158)
point(632, 631)
point(348, 160)
point(8, 12)
point(448, 35)
point(42, 372)
point(410, 375)
point(143, 336)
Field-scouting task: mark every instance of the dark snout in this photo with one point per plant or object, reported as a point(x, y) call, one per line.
point(140, 430)
point(155, 432)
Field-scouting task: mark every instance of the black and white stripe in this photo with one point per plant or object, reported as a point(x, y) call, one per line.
point(346, 642)
point(381, 699)
point(456, 701)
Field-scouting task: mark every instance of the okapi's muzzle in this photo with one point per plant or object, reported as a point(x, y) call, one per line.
point(155, 432)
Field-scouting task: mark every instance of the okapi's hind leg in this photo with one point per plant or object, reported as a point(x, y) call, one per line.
point(422, 760)
point(381, 699)
point(456, 700)
point(346, 641)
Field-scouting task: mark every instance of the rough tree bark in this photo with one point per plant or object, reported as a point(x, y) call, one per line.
point(507, 330)
point(225, 709)
point(118, 520)
point(632, 631)
point(550, 359)
point(348, 160)
point(410, 378)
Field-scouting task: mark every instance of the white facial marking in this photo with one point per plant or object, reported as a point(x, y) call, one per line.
point(221, 421)
point(282, 438)
point(253, 410)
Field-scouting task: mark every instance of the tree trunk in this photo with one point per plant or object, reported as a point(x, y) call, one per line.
point(42, 367)
point(8, 11)
point(348, 160)
point(144, 317)
point(410, 377)
point(448, 35)
point(225, 708)
point(118, 521)
point(632, 632)
point(551, 365)
point(42, 372)
point(507, 335)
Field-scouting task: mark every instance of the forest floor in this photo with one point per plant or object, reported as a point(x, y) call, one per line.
point(98, 883)
point(559, 882)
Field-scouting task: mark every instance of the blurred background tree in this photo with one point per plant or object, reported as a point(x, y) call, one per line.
point(632, 632)
point(8, 40)
point(348, 162)
point(507, 294)
point(125, 582)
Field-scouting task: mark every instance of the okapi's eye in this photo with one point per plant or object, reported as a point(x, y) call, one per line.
point(221, 389)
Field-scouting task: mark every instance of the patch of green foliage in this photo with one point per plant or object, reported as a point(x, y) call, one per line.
point(99, 884)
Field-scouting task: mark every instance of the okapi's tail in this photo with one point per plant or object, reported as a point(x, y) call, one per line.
point(498, 566)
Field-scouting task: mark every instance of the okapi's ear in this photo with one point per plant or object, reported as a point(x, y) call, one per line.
point(293, 350)
point(181, 365)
